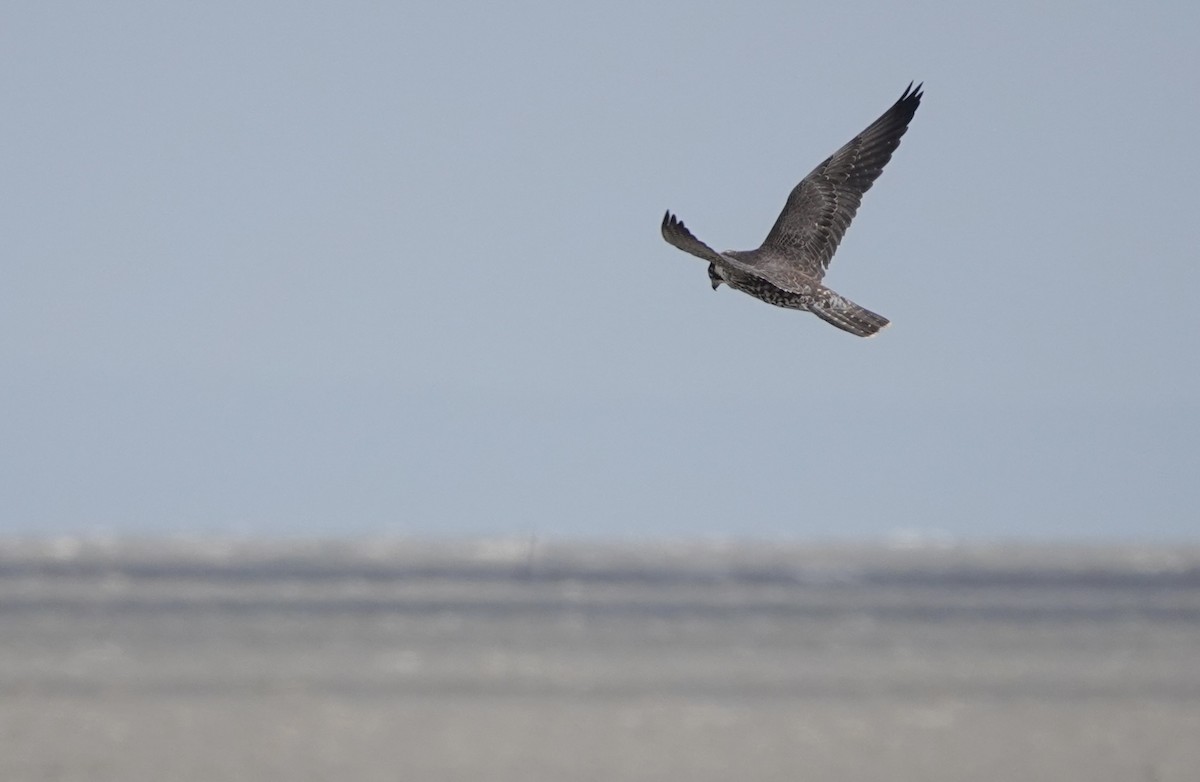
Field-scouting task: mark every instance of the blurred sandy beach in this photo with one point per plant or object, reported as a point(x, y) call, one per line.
point(527, 660)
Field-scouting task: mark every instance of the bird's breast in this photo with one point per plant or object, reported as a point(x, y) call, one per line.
point(765, 291)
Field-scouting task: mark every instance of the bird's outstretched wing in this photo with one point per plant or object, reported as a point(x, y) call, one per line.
point(677, 234)
point(820, 208)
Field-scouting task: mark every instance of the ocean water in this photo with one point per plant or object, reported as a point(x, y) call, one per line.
point(531, 660)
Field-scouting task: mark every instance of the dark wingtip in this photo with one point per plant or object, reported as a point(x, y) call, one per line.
point(668, 224)
point(911, 93)
point(672, 222)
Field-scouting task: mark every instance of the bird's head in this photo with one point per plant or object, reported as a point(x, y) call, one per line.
point(714, 276)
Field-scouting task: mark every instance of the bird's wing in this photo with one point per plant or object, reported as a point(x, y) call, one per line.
point(677, 234)
point(787, 277)
point(820, 208)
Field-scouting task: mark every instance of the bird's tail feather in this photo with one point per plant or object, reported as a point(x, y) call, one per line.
point(848, 316)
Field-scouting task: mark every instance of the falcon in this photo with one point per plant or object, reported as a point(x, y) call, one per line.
point(788, 268)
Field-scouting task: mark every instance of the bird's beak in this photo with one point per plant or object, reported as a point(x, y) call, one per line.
point(716, 284)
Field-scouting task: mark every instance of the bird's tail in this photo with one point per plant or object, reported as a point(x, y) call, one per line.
point(848, 316)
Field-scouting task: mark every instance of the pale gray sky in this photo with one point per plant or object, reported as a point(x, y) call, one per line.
point(395, 268)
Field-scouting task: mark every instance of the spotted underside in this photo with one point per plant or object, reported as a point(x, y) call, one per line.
point(818, 299)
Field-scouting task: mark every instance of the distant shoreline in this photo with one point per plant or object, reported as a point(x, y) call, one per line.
point(547, 559)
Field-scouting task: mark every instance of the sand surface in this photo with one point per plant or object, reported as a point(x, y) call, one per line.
point(524, 661)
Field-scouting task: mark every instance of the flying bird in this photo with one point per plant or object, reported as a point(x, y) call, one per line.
point(788, 268)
